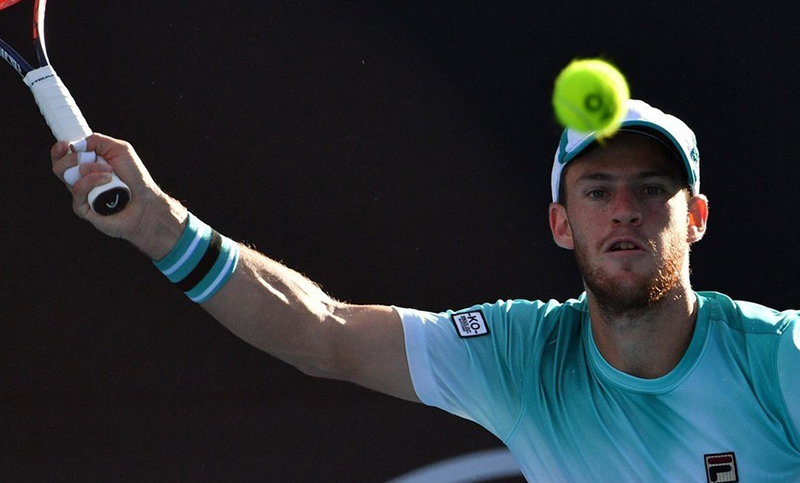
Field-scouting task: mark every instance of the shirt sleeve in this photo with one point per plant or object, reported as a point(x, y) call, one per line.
point(473, 363)
point(788, 361)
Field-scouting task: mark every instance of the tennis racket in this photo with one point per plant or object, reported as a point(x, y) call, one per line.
point(61, 112)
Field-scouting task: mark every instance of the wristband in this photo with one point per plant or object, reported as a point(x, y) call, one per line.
point(201, 262)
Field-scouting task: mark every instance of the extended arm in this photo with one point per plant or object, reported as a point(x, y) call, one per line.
point(265, 303)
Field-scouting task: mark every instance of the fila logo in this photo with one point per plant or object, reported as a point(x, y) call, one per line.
point(721, 467)
point(470, 324)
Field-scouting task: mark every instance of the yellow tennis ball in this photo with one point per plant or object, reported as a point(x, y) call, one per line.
point(590, 95)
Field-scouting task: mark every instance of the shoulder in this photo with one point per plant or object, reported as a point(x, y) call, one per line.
point(765, 343)
point(507, 311)
point(519, 309)
point(509, 332)
point(508, 318)
point(746, 317)
point(503, 324)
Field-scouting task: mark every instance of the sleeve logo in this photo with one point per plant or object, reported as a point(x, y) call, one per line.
point(470, 324)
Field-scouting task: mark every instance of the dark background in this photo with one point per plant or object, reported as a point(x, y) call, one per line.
point(394, 152)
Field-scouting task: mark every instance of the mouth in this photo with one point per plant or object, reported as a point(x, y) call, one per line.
point(623, 245)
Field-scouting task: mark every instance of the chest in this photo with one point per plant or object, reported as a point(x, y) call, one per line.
point(576, 426)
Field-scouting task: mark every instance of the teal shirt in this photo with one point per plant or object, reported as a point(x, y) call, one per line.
point(530, 373)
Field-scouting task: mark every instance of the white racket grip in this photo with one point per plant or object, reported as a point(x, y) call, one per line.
point(57, 106)
point(68, 124)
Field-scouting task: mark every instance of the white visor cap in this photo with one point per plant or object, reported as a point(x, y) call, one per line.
point(643, 119)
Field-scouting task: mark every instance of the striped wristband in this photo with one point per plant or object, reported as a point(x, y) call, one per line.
point(201, 262)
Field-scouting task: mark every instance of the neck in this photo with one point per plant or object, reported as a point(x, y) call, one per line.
point(646, 342)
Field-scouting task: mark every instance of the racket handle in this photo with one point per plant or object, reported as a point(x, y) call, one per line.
point(68, 124)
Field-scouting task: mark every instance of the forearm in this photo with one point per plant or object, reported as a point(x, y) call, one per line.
point(283, 313)
point(263, 302)
point(280, 312)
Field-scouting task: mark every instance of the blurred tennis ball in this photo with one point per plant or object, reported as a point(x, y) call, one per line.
point(590, 95)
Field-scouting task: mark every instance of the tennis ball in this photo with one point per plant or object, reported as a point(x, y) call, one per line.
point(590, 95)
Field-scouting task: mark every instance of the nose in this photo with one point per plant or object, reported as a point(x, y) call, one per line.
point(625, 209)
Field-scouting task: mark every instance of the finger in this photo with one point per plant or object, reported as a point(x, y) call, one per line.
point(61, 165)
point(59, 150)
point(89, 168)
point(121, 156)
point(106, 146)
point(81, 189)
point(72, 172)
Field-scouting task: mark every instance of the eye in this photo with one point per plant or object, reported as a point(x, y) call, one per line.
point(654, 190)
point(596, 194)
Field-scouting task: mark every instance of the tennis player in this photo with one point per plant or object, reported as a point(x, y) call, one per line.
point(639, 378)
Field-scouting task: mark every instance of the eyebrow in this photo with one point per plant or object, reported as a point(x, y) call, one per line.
point(610, 177)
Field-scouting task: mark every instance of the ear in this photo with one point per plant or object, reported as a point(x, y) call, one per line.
point(560, 227)
point(698, 217)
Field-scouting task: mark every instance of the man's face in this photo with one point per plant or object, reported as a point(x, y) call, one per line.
point(628, 219)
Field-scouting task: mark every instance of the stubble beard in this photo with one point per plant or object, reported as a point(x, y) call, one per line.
point(616, 299)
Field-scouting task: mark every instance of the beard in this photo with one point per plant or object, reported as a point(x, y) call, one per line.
point(616, 297)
